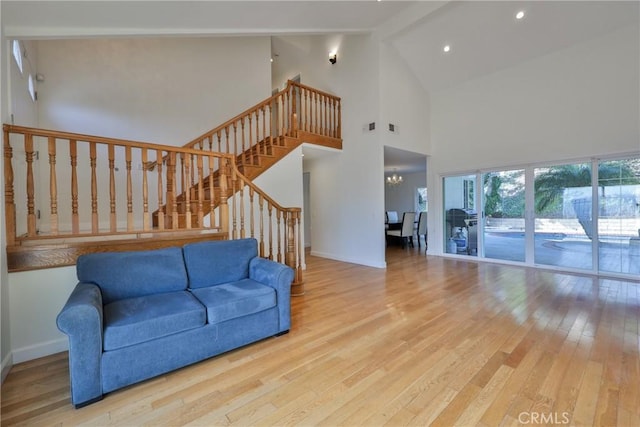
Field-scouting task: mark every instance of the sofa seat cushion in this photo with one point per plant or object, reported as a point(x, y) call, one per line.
point(135, 320)
point(236, 299)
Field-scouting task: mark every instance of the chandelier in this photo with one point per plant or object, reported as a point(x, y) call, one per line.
point(394, 179)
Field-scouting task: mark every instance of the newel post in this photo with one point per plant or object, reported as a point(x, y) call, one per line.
point(293, 256)
point(9, 204)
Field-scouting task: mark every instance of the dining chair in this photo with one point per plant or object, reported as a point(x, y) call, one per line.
point(391, 216)
point(422, 228)
point(406, 232)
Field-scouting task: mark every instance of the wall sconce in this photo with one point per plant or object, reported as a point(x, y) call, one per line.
point(333, 58)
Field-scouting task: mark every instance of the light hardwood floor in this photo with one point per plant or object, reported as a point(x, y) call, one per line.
point(428, 341)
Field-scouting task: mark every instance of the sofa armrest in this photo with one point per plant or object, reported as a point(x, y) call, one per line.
point(81, 320)
point(279, 277)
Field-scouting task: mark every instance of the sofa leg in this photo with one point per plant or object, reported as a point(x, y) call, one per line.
point(88, 402)
point(281, 333)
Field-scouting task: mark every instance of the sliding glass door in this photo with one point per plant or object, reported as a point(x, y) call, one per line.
point(563, 219)
point(578, 216)
point(504, 215)
point(461, 219)
point(619, 216)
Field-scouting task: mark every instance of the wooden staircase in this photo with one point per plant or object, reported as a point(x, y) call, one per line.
point(94, 194)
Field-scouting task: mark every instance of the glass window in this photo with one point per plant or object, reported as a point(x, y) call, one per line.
point(32, 88)
point(17, 54)
point(421, 200)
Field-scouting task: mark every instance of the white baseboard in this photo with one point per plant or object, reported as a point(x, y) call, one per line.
point(40, 350)
point(349, 260)
point(7, 363)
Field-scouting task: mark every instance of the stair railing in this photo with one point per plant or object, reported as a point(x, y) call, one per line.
point(296, 107)
point(277, 229)
point(110, 190)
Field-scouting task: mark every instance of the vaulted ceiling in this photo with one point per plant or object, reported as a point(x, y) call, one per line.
point(483, 36)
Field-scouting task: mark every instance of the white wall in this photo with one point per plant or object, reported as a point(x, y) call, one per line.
point(36, 299)
point(19, 105)
point(575, 103)
point(404, 103)
point(5, 330)
point(347, 189)
point(402, 198)
point(162, 90)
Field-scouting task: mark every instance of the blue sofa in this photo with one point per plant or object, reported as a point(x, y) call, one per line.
point(135, 315)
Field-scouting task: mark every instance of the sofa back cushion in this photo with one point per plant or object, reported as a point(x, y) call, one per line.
point(219, 261)
point(123, 275)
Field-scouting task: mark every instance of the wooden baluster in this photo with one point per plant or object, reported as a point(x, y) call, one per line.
point(316, 99)
point(251, 214)
point(146, 216)
point(224, 207)
point(271, 122)
point(294, 113)
point(75, 220)
point(9, 200)
point(326, 109)
point(212, 191)
point(251, 154)
point(339, 129)
point(270, 208)
point(53, 186)
point(281, 114)
point(192, 185)
point(241, 196)
point(261, 205)
point(235, 139)
point(127, 151)
point(113, 225)
point(186, 169)
point(234, 215)
point(333, 117)
point(210, 139)
point(94, 188)
point(160, 192)
point(306, 117)
point(244, 153)
point(299, 253)
point(264, 131)
point(279, 234)
point(287, 117)
point(199, 211)
point(293, 255)
point(226, 135)
point(172, 195)
point(220, 141)
point(31, 213)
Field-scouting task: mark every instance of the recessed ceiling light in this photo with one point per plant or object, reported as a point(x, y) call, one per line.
point(446, 49)
point(520, 14)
